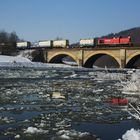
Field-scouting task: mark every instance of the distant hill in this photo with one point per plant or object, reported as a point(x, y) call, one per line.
point(134, 33)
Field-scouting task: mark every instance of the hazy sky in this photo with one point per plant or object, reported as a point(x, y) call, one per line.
point(35, 20)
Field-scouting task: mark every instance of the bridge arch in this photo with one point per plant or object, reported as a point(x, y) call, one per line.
point(57, 57)
point(133, 61)
point(91, 59)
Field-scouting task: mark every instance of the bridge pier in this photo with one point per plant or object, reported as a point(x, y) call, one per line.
point(122, 64)
point(122, 58)
point(45, 53)
point(80, 62)
point(80, 58)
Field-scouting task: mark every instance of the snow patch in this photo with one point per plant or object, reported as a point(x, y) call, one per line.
point(26, 54)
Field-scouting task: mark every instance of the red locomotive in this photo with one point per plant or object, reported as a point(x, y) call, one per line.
point(125, 41)
point(106, 42)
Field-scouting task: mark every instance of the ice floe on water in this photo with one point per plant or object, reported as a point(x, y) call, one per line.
point(108, 76)
point(131, 134)
point(17, 136)
point(132, 84)
point(34, 130)
point(72, 134)
point(7, 120)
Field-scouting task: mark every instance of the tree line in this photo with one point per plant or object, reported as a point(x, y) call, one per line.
point(8, 42)
point(7, 38)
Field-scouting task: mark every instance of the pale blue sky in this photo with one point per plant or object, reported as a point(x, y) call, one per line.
point(35, 20)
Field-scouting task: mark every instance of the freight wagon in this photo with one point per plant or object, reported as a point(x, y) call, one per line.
point(23, 45)
point(60, 43)
point(86, 42)
point(45, 43)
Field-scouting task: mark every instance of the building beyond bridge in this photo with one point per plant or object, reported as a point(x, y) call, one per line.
point(125, 57)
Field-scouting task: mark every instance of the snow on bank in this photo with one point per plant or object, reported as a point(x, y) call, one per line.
point(27, 54)
point(13, 59)
point(131, 135)
point(19, 61)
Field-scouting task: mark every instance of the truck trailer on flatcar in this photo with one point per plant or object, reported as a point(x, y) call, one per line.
point(86, 42)
point(45, 43)
point(60, 43)
point(23, 45)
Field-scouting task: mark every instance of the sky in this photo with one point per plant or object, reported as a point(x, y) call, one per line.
point(35, 20)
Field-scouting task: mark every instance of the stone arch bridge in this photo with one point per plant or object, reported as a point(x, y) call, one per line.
point(85, 57)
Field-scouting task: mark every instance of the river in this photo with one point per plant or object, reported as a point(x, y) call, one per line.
point(64, 103)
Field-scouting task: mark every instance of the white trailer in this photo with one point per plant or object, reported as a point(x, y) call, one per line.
point(45, 43)
point(24, 44)
point(61, 43)
point(86, 42)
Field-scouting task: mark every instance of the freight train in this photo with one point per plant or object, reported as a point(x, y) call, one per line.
point(83, 43)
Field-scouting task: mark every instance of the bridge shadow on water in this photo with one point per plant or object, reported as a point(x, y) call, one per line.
point(102, 60)
point(134, 62)
point(64, 59)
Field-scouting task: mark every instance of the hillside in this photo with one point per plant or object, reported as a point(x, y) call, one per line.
point(134, 33)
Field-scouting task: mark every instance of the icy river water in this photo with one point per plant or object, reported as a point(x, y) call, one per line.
point(64, 103)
